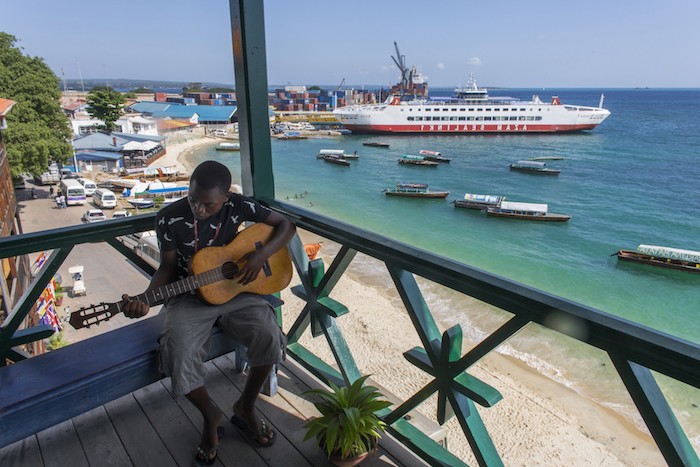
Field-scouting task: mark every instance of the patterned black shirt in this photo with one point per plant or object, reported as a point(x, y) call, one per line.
point(175, 226)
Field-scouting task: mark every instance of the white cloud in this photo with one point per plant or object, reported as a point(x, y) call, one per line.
point(474, 61)
point(441, 66)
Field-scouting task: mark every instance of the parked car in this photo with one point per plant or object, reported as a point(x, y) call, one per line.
point(121, 214)
point(220, 132)
point(94, 215)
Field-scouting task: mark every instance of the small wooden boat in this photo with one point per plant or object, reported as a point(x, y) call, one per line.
point(336, 152)
point(416, 160)
point(534, 167)
point(478, 202)
point(375, 144)
point(336, 159)
point(414, 190)
point(526, 211)
point(228, 147)
point(665, 257)
point(434, 156)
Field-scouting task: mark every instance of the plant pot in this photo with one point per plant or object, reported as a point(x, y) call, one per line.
point(58, 301)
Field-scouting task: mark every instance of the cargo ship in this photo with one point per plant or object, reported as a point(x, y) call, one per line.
point(408, 109)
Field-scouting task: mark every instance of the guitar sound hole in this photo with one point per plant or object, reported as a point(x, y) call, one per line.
point(229, 269)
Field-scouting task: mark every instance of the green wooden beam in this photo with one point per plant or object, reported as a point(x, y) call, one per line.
point(250, 69)
point(657, 414)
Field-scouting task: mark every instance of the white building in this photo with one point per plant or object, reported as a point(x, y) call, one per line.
point(133, 124)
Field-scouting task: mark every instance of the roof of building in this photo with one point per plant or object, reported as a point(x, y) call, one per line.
point(207, 113)
point(97, 156)
point(110, 142)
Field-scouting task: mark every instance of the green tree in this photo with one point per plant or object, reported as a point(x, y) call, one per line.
point(314, 88)
point(106, 104)
point(221, 90)
point(142, 90)
point(37, 129)
point(193, 87)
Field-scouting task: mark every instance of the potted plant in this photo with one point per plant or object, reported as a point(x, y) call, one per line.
point(348, 428)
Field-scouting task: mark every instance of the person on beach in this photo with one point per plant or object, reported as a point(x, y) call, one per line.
point(211, 215)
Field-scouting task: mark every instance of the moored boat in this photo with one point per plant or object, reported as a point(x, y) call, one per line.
point(330, 152)
point(526, 211)
point(534, 167)
point(376, 144)
point(336, 159)
point(228, 147)
point(478, 202)
point(665, 257)
point(547, 158)
point(416, 160)
point(414, 190)
point(434, 156)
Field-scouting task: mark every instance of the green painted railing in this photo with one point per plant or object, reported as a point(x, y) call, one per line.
point(634, 349)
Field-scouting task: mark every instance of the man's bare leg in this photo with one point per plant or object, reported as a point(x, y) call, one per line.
point(211, 415)
point(245, 406)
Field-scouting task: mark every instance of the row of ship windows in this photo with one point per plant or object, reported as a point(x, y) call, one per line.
point(472, 109)
point(521, 118)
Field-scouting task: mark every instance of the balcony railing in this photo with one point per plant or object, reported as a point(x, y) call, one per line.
point(635, 350)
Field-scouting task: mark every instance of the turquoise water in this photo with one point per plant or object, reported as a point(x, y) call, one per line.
point(632, 180)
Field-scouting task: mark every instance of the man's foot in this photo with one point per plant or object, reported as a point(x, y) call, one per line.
point(208, 449)
point(257, 430)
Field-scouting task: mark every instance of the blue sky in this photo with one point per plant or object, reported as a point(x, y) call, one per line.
point(597, 43)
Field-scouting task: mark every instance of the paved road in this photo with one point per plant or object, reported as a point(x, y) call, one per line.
point(107, 273)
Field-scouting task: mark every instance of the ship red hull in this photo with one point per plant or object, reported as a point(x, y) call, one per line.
point(468, 128)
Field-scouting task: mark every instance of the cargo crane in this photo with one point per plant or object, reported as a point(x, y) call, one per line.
point(412, 82)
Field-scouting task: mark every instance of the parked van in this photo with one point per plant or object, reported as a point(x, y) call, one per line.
point(89, 186)
point(73, 192)
point(104, 198)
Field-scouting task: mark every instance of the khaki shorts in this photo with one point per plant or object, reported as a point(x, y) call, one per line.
point(187, 330)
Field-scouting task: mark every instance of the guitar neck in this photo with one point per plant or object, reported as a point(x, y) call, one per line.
point(159, 295)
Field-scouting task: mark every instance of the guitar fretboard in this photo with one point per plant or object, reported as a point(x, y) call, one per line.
point(157, 296)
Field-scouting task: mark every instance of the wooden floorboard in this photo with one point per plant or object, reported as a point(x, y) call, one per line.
point(140, 439)
point(150, 428)
point(24, 452)
point(60, 446)
point(176, 431)
point(99, 439)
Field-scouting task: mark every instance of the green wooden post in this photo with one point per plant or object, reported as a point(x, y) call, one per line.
point(250, 67)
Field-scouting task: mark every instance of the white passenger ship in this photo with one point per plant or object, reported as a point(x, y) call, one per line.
point(471, 110)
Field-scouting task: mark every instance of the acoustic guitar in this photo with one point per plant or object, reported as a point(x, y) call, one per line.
point(213, 272)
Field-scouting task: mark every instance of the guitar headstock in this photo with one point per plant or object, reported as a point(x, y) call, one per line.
point(93, 314)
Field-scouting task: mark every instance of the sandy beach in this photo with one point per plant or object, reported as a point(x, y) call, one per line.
point(538, 422)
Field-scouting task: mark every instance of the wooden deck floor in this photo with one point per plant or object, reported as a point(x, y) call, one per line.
point(149, 428)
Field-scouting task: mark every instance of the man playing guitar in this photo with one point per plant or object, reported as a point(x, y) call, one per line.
point(211, 216)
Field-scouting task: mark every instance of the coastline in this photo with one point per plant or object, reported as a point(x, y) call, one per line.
point(546, 422)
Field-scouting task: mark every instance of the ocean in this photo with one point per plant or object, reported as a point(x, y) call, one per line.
point(632, 180)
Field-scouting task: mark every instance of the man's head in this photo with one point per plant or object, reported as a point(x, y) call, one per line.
point(208, 191)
